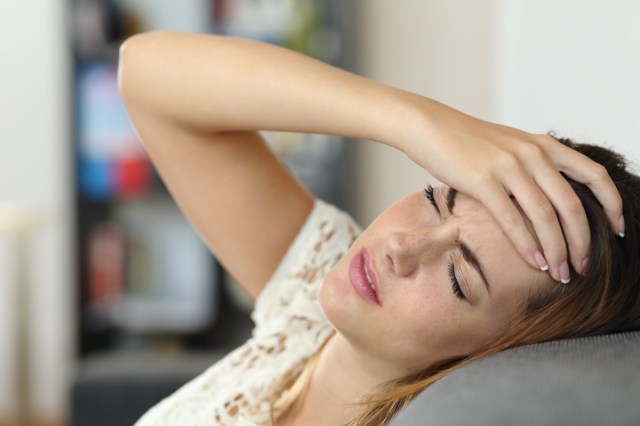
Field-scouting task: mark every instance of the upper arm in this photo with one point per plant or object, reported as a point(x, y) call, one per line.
point(244, 204)
point(238, 196)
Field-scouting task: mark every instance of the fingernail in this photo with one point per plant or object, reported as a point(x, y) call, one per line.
point(565, 275)
point(621, 226)
point(541, 261)
point(585, 263)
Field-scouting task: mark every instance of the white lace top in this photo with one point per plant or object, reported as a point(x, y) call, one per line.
point(290, 327)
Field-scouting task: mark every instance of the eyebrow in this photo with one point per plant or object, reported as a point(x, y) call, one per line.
point(467, 253)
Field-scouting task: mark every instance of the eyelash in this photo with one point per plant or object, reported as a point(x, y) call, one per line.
point(455, 285)
point(428, 193)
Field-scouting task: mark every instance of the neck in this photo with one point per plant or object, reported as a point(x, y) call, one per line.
point(341, 380)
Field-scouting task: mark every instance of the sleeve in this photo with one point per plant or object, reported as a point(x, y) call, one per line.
point(292, 290)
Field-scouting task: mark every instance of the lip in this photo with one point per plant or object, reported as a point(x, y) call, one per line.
point(358, 277)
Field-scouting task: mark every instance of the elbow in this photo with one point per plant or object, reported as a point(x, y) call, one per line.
point(127, 67)
point(134, 61)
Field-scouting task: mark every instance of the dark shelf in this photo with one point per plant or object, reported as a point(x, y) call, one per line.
point(101, 224)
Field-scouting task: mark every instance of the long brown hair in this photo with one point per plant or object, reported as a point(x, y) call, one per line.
point(605, 299)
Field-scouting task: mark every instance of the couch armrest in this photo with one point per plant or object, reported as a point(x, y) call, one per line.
point(590, 381)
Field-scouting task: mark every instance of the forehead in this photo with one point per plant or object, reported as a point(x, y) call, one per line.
point(509, 275)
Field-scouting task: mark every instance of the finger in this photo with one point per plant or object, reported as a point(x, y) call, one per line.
point(496, 199)
point(582, 169)
point(540, 211)
point(599, 182)
point(570, 212)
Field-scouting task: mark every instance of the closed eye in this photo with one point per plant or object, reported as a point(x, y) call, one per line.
point(455, 285)
point(429, 193)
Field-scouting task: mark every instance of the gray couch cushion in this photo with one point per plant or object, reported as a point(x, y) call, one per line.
point(587, 381)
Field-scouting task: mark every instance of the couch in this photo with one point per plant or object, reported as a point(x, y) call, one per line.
point(591, 381)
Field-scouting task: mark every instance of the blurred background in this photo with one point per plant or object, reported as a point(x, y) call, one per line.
point(108, 299)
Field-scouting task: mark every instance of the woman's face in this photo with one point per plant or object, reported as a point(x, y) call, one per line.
point(446, 280)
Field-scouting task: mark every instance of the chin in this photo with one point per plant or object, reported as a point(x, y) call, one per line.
point(336, 299)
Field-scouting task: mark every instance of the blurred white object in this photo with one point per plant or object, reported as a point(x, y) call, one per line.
point(19, 222)
point(16, 218)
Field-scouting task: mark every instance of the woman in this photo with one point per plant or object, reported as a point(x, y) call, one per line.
point(350, 327)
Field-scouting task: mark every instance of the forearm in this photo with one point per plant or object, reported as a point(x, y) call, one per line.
point(212, 83)
point(201, 85)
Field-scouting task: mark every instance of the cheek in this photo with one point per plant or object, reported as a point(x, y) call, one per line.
point(429, 321)
point(438, 324)
point(422, 319)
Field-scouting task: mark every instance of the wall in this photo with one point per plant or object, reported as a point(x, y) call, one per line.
point(571, 66)
point(35, 168)
point(442, 49)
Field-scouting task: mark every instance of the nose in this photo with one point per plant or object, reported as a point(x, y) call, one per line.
point(407, 250)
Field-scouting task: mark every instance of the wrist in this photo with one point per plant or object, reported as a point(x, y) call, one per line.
point(409, 122)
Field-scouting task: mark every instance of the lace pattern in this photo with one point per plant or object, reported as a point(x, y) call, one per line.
point(290, 327)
